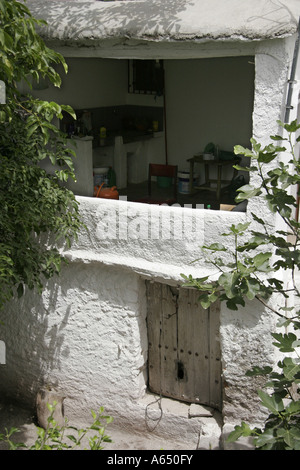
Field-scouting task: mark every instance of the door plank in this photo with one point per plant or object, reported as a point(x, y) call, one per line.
point(194, 345)
point(215, 358)
point(154, 300)
point(169, 341)
point(184, 348)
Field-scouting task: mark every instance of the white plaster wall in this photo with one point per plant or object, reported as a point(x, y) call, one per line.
point(159, 241)
point(87, 333)
point(96, 82)
point(208, 100)
point(273, 62)
point(90, 83)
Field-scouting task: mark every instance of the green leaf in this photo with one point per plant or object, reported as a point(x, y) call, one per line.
point(255, 145)
point(233, 302)
point(247, 192)
point(239, 229)
point(229, 282)
point(293, 408)
point(278, 137)
point(292, 127)
point(239, 150)
point(68, 109)
point(241, 168)
point(284, 341)
point(32, 129)
point(72, 438)
point(215, 247)
point(253, 288)
point(266, 157)
point(256, 370)
point(205, 301)
point(274, 402)
point(291, 436)
point(291, 368)
point(266, 439)
point(2, 116)
point(258, 219)
point(261, 261)
point(243, 430)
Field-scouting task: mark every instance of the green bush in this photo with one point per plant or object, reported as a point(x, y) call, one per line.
point(65, 437)
point(33, 203)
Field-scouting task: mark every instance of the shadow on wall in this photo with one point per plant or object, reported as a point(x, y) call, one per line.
point(83, 336)
point(35, 344)
point(72, 20)
point(131, 18)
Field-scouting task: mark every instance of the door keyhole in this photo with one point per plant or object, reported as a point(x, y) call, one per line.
point(180, 371)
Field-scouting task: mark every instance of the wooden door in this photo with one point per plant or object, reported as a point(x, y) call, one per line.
point(184, 350)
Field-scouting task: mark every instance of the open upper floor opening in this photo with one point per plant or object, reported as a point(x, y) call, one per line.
point(188, 113)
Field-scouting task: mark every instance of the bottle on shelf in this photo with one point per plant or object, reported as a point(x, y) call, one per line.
point(102, 135)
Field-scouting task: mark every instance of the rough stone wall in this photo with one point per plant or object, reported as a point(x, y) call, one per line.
point(87, 335)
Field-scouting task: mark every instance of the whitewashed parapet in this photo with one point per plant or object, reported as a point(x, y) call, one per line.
point(157, 241)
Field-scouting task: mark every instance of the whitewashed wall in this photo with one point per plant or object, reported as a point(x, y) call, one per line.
point(90, 83)
point(208, 100)
point(86, 334)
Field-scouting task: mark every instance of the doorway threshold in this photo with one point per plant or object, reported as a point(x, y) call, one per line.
point(180, 408)
point(198, 425)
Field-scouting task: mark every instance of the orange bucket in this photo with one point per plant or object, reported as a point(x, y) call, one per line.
point(106, 193)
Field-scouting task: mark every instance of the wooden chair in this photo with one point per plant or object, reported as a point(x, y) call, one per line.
point(159, 170)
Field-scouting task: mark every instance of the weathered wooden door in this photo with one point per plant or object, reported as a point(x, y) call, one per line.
point(184, 350)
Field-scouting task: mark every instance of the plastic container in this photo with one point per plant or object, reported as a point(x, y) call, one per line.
point(184, 182)
point(164, 181)
point(102, 136)
point(111, 177)
point(102, 132)
point(100, 176)
point(106, 193)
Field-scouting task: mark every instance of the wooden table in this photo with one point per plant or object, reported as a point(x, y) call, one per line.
point(208, 164)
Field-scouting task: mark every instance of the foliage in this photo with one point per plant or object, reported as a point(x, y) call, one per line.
point(32, 201)
point(252, 273)
point(65, 437)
